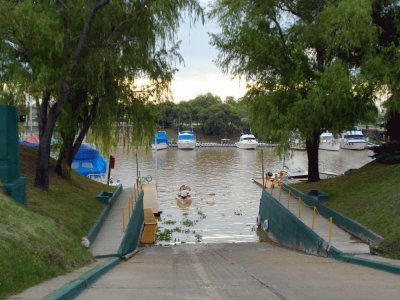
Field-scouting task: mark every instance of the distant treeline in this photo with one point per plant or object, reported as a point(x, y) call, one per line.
point(207, 112)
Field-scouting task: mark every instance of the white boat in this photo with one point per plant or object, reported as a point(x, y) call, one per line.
point(353, 140)
point(247, 141)
point(160, 141)
point(329, 142)
point(186, 140)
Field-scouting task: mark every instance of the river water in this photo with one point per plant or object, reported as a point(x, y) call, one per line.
point(225, 201)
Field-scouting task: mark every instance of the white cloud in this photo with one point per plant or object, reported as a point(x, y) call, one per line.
point(199, 74)
point(187, 88)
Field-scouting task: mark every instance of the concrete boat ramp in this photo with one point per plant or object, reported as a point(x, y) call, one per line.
point(220, 271)
point(239, 271)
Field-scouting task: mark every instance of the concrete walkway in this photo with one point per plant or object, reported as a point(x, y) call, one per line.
point(110, 235)
point(239, 271)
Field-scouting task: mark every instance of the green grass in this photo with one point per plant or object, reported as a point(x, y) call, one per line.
point(43, 240)
point(371, 196)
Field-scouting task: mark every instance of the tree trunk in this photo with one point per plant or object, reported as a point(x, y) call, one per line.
point(71, 144)
point(46, 127)
point(47, 121)
point(62, 168)
point(393, 125)
point(312, 155)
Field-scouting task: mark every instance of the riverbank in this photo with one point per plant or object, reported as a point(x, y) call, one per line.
point(43, 240)
point(369, 195)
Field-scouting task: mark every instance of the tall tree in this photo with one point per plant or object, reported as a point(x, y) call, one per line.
point(44, 43)
point(385, 66)
point(299, 58)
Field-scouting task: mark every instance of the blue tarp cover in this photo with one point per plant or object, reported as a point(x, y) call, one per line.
point(161, 137)
point(89, 161)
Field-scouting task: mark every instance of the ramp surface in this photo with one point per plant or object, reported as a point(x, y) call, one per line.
point(110, 235)
point(239, 271)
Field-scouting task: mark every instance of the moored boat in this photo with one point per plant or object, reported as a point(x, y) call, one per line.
point(247, 141)
point(328, 142)
point(160, 141)
point(353, 140)
point(186, 140)
point(89, 162)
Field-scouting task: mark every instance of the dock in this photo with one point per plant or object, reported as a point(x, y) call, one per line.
point(219, 145)
point(150, 199)
point(150, 227)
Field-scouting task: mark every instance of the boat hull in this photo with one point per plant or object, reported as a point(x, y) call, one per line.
point(186, 145)
point(246, 146)
point(160, 146)
point(329, 146)
point(353, 145)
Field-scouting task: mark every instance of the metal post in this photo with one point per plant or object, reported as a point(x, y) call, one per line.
point(137, 173)
point(288, 201)
point(155, 139)
point(109, 170)
point(262, 168)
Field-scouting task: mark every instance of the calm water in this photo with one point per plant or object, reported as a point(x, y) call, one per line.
point(225, 201)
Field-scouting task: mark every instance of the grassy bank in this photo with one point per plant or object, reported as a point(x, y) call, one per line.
point(370, 195)
point(43, 240)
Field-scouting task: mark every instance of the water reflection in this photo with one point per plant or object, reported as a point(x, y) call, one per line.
point(224, 199)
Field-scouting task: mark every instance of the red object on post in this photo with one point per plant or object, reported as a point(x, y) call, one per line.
point(112, 162)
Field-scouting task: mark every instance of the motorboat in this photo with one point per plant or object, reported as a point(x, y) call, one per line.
point(353, 140)
point(160, 141)
point(329, 142)
point(186, 140)
point(89, 162)
point(247, 141)
point(184, 195)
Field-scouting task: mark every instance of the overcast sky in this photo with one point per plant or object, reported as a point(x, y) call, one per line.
point(200, 74)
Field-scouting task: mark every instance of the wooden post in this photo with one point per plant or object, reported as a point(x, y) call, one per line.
point(299, 207)
point(330, 229)
point(123, 219)
point(262, 168)
point(313, 218)
point(280, 192)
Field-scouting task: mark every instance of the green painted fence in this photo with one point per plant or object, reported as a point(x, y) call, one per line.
point(339, 219)
point(285, 228)
point(131, 238)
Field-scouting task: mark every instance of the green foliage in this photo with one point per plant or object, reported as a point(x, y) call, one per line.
point(100, 49)
point(206, 111)
point(302, 62)
point(43, 240)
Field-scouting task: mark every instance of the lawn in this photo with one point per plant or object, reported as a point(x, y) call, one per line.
point(42, 240)
point(371, 196)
